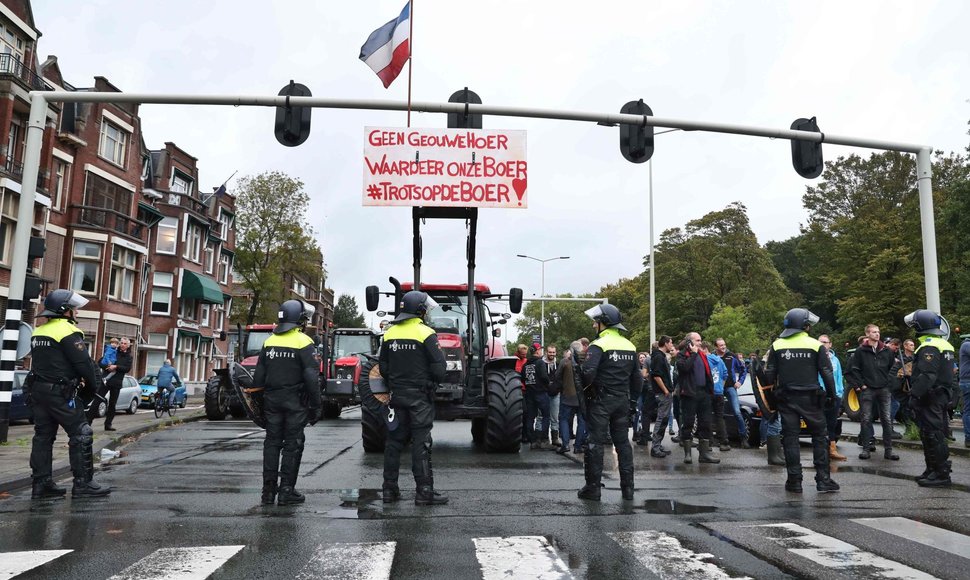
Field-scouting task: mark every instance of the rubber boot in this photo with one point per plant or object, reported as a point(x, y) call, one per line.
point(390, 492)
point(268, 496)
point(834, 454)
point(725, 445)
point(688, 446)
point(46, 489)
point(775, 455)
point(706, 455)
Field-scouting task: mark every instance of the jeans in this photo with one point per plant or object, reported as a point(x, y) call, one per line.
point(536, 404)
point(554, 412)
point(566, 414)
point(965, 387)
point(731, 398)
point(770, 428)
point(664, 403)
point(876, 399)
point(171, 393)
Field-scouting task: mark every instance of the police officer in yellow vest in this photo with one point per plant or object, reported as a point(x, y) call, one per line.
point(59, 360)
point(412, 364)
point(930, 393)
point(290, 375)
point(612, 379)
point(795, 363)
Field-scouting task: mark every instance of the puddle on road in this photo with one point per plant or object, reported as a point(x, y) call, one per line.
point(890, 474)
point(674, 507)
point(357, 504)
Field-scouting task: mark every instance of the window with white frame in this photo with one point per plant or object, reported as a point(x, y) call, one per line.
point(193, 242)
point(153, 361)
point(299, 288)
point(113, 143)
point(62, 182)
point(86, 267)
point(9, 205)
point(210, 257)
point(225, 266)
point(162, 283)
point(12, 44)
point(204, 315)
point(188, 308)
point(219, 317)
point(225, 223)
point(168, 230)
point(187, 348)
point(124, 270)
point(158, 339)
point(181, 183)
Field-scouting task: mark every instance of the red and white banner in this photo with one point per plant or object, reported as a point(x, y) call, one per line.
point(445, 167)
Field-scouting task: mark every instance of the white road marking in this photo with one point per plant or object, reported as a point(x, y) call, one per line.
point(833, 553)
point(195, 563)
point(921, 533)
point(663, 555)
point(519, 557)
point(15, 563)
point(364, 561)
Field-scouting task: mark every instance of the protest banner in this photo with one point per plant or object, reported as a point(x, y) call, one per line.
point(445, 167)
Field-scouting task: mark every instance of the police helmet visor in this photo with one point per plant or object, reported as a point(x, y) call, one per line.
point(813, 318)
point(77, 302)
point(308, 311)
point(430, 303)
point(594, 312)
point(910, 319)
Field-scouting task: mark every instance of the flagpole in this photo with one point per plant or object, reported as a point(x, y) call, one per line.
point(410, 53)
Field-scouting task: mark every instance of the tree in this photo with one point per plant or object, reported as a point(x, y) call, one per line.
point(733, 325)
point(565, 322)
point(273, 240)
point(346, 313)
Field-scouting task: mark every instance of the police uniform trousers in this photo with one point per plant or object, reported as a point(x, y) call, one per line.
point(608, 419)
point(696, 407)
point(793, 406)
point(52, 409)
point(286, 416)
point(413, 419)
point(932, 418)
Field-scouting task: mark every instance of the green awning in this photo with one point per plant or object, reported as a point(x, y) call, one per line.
point(185, 332)
point(201, 287)
point(149, 214)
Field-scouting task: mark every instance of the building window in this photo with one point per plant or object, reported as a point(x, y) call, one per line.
point(124, 269)
point(167, 235)
point(188, 307)
point(113, 143)
point(181, 183)
point(225, 266)
point(225, 224)
point(162, 292)
point(219, 316)
point(13, 45)
point(86, 267)
point(299, 288)
point(153, 362)
point(193, 242)
point(187, 348)
point(204, 316)
point(100, 192)
point(9, 205)
point(62, 182)
point(158, 339)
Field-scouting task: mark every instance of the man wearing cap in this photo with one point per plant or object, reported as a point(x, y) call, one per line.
point(412, 364)
point(612, 384)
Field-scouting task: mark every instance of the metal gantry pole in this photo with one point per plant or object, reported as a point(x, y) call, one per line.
point(653, 287)
point(924, 176)
point(18, 264)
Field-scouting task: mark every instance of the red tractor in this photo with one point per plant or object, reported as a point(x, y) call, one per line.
point(220, 396)
point(348, 346)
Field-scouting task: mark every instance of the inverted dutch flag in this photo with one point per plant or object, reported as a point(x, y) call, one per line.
point(389, 47)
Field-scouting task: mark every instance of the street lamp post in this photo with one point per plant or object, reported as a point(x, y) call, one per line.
point(542, 293)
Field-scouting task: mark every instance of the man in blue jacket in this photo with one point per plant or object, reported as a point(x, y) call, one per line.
point(167, 378)
point(719, 373)
point(737, 372)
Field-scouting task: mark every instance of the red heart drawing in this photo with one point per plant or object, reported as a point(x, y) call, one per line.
point(519, 186)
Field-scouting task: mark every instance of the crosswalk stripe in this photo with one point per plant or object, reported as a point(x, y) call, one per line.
point(530, 557)
point(663, 555)
point(15, 563)
point(364, 561)
point(195, 563)
point(921, 533)
point(833, 553)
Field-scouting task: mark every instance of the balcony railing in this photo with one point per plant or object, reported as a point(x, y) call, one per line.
point(13, 168)
point(11, 66)
point(109, 219)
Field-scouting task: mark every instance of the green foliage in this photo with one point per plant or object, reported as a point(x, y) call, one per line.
point(735, 327)
point(565, 322)
point(273, 239)
point(346, 313)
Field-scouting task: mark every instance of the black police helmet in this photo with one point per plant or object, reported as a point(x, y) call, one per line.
point(798, 320)
point(414, 304)
point(607, 315)
point(58, 302)
point(926, 322)
point(292, 314)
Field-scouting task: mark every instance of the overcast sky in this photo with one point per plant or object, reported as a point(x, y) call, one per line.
point(888, 70)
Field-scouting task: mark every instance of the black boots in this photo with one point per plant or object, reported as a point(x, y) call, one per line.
point(627, 491)
point(775, 455)
point(626, 485)
point(936, 452)
point(390, 492)
point(825, 484)
point(426, 495)
point(86, 488)
point(46, 488)
point(590, 491)
point(794, 484)
point(289, 496)
point(888, 454)
point(706, 455)
point(269, 492)
point(289, 471)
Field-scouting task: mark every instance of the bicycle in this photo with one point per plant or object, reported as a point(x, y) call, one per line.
point(162, 404)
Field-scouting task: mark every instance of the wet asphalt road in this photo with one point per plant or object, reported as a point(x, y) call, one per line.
point(198, 485)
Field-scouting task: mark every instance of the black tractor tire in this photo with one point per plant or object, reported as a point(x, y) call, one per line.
point(478, 431)
point(216, 404)
point(237, 411)
point(373, 431)
point(503, 429)
point(852, 405)
point(331, 410)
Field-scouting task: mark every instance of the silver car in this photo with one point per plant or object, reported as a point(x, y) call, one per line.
point(128, 398)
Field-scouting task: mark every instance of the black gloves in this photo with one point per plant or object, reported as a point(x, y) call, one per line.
point(313, 415)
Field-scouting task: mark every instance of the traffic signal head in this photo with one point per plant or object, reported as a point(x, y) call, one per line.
point(293, 123)
point(464, 120)
point(636, 141)
point(806, 156)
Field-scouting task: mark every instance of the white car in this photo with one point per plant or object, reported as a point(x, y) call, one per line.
point(128, 398)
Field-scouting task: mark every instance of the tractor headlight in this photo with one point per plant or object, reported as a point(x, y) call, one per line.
point(453, 365)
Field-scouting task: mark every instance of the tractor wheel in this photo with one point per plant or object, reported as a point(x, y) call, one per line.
point(478, 431)
point(237, 411)
point(852, 405)
point(216, 403)
point(373, 431)
point(503, 430)
point(331, 410)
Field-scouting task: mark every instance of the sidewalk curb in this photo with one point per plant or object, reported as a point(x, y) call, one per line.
point(63, 467)
point(955, 448)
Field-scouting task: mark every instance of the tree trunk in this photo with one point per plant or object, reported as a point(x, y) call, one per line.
point(253, 305)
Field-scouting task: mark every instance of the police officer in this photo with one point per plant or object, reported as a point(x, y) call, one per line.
point(412, 364)
point(612, 379)
point(290, 375)
point(795, 363)
point(59, 361)
point(930, 393)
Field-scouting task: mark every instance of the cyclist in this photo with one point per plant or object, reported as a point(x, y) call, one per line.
point(166, 374)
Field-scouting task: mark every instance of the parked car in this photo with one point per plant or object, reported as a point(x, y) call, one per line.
point(750, 412)
point(19, 411)
point(128, 398)
point(149, 389)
